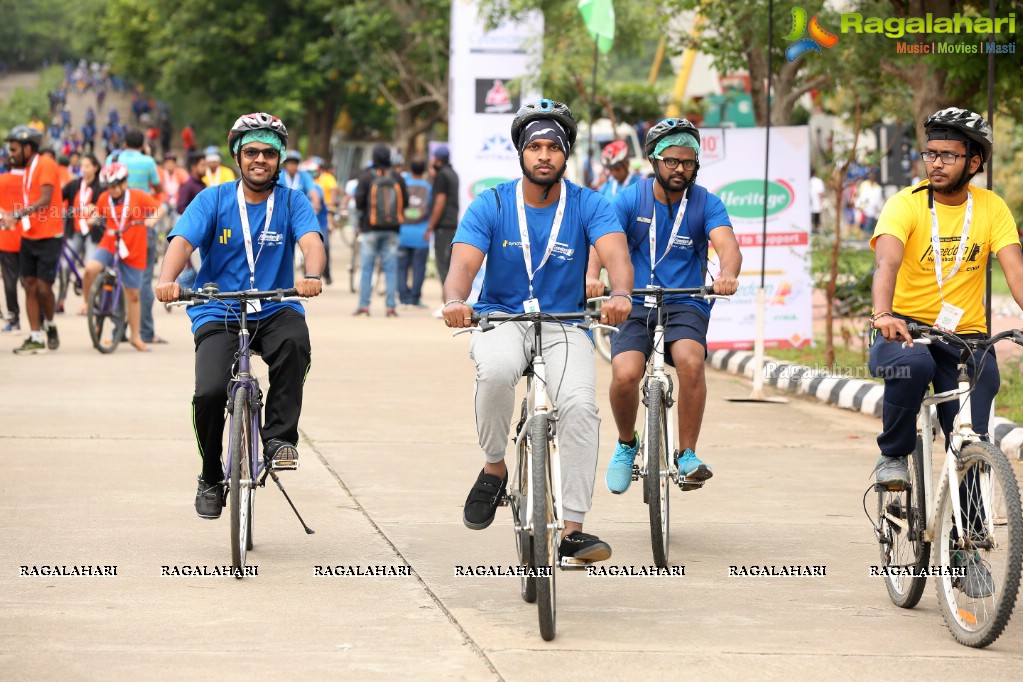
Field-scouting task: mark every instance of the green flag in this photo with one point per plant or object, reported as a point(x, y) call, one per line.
point(599, 17)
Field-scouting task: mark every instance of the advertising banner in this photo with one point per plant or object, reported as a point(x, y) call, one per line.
point(482, 105)
point(732, 167)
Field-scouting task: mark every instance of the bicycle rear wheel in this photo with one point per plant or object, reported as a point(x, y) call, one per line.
point(106, 314)
point(977, 606)
point(657, 473)
point(545, 535)
point(901, 516)
point(240, 478)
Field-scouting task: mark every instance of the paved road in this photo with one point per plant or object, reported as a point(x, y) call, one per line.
point(100, 470)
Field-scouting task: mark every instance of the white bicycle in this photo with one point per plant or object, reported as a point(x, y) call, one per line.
point(975, 524)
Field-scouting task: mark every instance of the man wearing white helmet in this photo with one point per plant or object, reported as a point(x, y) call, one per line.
point(246, 233)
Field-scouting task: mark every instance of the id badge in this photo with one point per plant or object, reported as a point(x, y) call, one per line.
point(26, 225)
point(83, 226)
point(254, 305)
point(122, 250)
point(650, 301)
point(531, 305)
point(948, 318)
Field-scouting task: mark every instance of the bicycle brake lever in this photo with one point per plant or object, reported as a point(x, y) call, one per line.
point(465, 330)
point(300, 299)
point(603, 326)
point(183, 304)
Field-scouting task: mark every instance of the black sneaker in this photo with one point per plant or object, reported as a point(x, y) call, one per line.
point(209, 500)
point(583, 547)
point(280, 454)
point(52, 340)
point(483, 500)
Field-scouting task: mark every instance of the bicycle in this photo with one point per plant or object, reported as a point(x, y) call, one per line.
point(244, 469)
point(70, 274)
point(535, 498)
point(975, 522)
point(107, 307)
point(659, 441)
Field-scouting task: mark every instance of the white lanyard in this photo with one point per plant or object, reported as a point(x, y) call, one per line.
point(247, 237)
point(671, 239)
point(524, 232)
point(26, 183)
point(293, 182)
point(936, 243)
point(84, 197)
point(171, 184)
point(124, 210)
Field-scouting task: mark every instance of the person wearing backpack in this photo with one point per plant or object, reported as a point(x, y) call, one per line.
point(381, 198)
point(414, 242)
point(668, 220)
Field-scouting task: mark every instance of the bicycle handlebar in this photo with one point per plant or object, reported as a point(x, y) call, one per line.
point(211, 294)
point(925, 333)
point(590, 320)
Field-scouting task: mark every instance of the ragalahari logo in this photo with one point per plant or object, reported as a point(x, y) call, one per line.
point(819, 37)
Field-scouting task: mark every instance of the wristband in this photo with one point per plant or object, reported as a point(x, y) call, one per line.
point(316, 277)
point(454, 300)
point(877, 316)
point(619, 293)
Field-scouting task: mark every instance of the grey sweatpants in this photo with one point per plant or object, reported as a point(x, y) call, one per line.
point(501, 356)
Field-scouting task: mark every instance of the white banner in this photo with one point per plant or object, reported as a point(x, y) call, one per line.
point(481, 105)
point(732, 167)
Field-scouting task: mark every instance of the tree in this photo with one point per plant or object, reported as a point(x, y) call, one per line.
point(400, 49)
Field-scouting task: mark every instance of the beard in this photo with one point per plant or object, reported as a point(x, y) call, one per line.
point(548, 181)
point(952, 185)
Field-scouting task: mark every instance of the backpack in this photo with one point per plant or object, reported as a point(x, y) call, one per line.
point(418, 198)
point(694, 216)
point(386, 209)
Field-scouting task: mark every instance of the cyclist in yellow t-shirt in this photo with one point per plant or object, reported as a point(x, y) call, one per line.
point(216, 174)
point(964, 225)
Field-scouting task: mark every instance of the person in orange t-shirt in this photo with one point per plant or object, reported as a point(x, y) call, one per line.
point(128, 213)
point(41, 220)
point(10, 245)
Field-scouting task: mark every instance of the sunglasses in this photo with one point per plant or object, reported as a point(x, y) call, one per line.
point(251, 153)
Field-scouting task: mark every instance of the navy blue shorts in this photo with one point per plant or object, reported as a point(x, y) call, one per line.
point(682, 321)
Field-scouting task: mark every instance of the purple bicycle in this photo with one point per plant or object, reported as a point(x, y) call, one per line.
point(107, 309)
point(244, 469)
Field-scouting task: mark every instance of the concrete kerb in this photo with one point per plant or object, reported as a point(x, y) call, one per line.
point(859, 395)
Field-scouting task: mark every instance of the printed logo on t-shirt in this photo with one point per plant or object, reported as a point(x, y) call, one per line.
point(271, 238)
point(508, 243)
point(949, 248)
point(562, 251)
point(225, 235)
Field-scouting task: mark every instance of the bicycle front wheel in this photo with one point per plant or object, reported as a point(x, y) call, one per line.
point(602, 342)
point(523, 541)
point(977, 604)
point(901, 516)
point(106, 313)
point(545, 534)
point(241, 479)
point(657, 474)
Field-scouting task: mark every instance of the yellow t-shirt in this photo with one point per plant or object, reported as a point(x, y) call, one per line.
point(221, 175)
point(907, 217)
point(328, 184)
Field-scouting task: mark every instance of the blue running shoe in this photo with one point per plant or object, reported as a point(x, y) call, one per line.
point(619, 471)
point(691, 471)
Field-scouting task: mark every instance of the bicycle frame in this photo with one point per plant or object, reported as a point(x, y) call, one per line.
point(72, 261)
point(962, 433)
point(243, 377)
point(538, 404)
point(655, 371)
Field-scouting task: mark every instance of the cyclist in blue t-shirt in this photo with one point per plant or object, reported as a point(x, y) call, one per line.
point(669, 249)
point(217, 222)
point(501, 225)
point(615, 158)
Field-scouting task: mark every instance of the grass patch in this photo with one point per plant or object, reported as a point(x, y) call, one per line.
point(1009, 403)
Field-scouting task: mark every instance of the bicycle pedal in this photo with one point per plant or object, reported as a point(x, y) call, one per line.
point(885, 488)
point(686, 485)
point(571, 564)
point(284, 464)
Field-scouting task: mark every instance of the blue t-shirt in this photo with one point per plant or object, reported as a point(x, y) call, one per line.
point(213, 224)
point(682, 267)
point(411, 234)
point(302, 181)
point(142, 173)
point(560, 284)
point(612, 187)
point(323, 215)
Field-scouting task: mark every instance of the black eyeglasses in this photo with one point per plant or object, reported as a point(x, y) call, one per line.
point(672, 164)
point(947, 158)
point(251, 153)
